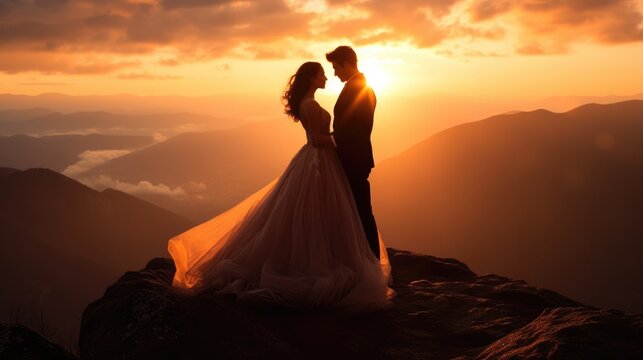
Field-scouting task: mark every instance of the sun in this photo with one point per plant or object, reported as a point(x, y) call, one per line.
point(377, 77)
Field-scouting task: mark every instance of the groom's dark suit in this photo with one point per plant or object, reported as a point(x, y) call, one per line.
point(352, 128)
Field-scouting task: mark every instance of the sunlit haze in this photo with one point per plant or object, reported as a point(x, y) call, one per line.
point(503, 177)
point(487, 56)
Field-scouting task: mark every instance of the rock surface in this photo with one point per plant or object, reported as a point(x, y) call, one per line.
point(19, 342)
point(571, 333)
point(443, 311)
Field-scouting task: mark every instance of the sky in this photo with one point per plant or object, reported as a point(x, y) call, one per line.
point(432, 63)
point(517, 48)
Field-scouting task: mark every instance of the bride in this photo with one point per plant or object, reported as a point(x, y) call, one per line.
point(298, 242)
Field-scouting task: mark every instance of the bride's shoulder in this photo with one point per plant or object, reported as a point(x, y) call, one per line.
point(310, 104)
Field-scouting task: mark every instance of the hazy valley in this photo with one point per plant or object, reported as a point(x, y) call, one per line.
point(552, 198)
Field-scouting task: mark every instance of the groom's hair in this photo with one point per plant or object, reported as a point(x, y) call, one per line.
point(342, 55)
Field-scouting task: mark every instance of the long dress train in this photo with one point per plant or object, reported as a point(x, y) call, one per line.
point(297, 242)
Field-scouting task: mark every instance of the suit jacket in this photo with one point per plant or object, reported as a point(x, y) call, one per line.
point(353, 124)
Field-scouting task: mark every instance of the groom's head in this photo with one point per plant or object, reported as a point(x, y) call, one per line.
point(344, 62)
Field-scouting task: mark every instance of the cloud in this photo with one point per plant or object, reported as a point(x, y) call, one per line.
point(178, 4)
point(371, 22)
point(466, 53)
point(146, 76)
point(92, 158)
point(487, 9)
point(54, 62)
point(95, 36)
point(158, 137)
point(43, 84)
point(550, 26)
point(115, 36)
point(101, 182)
point(531, 49)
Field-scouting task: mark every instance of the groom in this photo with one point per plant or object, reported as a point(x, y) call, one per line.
point(351, 136)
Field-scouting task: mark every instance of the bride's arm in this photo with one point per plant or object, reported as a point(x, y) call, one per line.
point(319, 136)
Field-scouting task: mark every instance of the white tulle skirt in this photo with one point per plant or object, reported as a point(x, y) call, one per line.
point(297, 242)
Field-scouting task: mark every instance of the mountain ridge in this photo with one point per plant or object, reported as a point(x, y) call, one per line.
point(514, 194)
point(215, 169)
point(63, 242)
point(58, 152)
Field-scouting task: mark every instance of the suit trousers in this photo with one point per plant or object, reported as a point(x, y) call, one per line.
point(361, 189)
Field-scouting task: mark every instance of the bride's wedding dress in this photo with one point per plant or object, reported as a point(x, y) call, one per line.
point(297, 242)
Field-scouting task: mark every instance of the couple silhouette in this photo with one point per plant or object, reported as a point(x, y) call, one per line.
point(309, 238)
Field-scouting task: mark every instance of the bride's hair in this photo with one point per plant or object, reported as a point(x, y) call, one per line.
point(298, 86)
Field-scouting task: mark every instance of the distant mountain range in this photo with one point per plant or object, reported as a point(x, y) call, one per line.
point(244, 107)
point(59, 152)
point(61, 243)
point(402, 119)
point(42, 122)
point(555, 199)
point(202, 174)
point(566, 103)
point(23, 114)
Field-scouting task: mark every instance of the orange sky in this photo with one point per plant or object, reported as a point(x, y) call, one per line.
point(488, 49)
